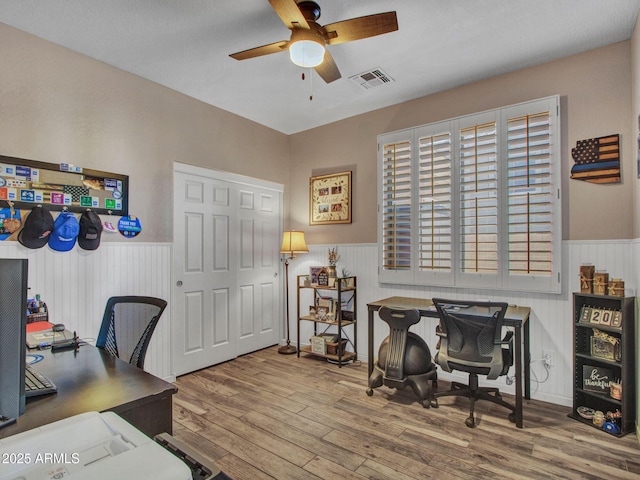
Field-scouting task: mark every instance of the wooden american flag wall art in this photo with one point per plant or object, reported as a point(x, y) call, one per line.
point(597, 160)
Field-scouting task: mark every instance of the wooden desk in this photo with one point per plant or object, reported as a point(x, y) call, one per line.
point(516, 317)
point(93, 380)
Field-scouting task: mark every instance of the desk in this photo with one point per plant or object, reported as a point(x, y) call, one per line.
point(92, 380)
point(517, 317)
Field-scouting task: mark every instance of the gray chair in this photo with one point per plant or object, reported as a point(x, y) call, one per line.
point(127, 326)
point(404, 358)
point(470, 341)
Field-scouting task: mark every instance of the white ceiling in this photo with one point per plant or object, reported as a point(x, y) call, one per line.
point(440, 44)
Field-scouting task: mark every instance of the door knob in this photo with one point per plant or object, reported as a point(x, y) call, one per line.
point(179, 283)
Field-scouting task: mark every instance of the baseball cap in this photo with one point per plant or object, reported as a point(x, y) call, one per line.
point(37, 227)
point(65, 232)
point(90, 231)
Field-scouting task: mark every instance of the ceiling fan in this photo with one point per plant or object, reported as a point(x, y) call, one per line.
point(308, 39)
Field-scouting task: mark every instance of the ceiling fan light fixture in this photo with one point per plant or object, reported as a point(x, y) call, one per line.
point(306, 53)
point(306, 47)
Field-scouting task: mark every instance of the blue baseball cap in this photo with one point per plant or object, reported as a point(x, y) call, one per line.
point(65, 232)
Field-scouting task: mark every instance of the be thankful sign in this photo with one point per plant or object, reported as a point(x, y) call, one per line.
point(596, 379)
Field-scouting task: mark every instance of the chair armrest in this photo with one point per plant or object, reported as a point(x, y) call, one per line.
point(439, 331)
point(508, 338)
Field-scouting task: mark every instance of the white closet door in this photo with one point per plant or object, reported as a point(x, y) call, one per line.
point(226, 299)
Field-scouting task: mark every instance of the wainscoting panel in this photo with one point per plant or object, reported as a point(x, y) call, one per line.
point(551, 317)
point(76, 285)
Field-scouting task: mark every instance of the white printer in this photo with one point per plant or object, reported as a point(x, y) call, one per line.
point(90, 446)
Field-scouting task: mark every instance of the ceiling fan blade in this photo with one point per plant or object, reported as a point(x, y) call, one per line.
point(289, 13)
point(263, 50)
point(361, 27)
point(328, 69)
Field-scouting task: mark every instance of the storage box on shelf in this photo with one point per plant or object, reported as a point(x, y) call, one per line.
point(327, 307)
point(604, 359)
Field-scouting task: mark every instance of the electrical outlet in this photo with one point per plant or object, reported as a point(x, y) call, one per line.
point(547, 359)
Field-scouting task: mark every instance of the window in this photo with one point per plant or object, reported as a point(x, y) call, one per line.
point(473, 201)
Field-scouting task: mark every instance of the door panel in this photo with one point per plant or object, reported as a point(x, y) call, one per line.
point(226, 251)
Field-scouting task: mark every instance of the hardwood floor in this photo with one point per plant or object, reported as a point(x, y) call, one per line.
point(271, 416)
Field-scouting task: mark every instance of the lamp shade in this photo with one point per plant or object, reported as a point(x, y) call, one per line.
point(293, 242)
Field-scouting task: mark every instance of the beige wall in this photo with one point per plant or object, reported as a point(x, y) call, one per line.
point(59, 106)
point(595, 90)
point(635, 129)
point(635, 124)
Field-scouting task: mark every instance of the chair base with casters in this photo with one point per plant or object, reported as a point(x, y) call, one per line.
point(470, 342)
point(475, 393)
point(404, 359)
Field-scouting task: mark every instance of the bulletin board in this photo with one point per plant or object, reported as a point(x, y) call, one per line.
point(63, 186)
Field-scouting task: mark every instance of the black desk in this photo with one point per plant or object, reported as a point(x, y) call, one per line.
point(516, 317)
point(93, 380)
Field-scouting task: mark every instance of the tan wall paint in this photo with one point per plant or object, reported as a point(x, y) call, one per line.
point(595, 90)
point(635, 126)
point(59, 106)
point(635, 129)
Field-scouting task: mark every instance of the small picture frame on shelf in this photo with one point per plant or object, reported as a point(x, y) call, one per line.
point(313, 273)
point(600, 348)
point(323, 277)
point(318, 345)
point(323, 314)
point(605, 346)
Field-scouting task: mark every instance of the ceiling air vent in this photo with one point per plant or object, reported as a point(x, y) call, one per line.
point(372, 78)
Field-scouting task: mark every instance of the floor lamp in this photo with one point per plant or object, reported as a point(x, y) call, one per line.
point(292, 243)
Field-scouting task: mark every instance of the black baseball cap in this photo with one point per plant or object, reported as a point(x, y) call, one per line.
point(90, 231)
point(36, 229)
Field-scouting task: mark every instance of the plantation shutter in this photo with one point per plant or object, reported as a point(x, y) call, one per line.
point(478, 199)
point(396, 206)
point(435, 189)
point(474, 201)
point(530, 216)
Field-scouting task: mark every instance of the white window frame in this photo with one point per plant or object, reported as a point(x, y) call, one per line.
point(502, 279)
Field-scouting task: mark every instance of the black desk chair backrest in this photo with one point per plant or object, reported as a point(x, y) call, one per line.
point(470, 341)
point(470, 336)
point(127, 326)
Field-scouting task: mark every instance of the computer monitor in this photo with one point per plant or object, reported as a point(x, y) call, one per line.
point(13, 323)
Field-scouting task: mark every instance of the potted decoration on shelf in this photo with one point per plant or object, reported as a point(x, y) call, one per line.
point(333, 260)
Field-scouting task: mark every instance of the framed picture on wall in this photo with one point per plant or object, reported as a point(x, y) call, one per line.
point(330, 199)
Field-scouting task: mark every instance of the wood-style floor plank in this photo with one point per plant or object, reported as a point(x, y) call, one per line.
point(270, 416)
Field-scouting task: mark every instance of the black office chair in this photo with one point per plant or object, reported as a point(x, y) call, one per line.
point(404, 358)
point(470, 342)
point(127, 326)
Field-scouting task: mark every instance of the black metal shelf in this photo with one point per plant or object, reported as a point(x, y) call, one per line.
point(623, 339)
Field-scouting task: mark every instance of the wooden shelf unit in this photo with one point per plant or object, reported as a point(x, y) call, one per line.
point(338, 291)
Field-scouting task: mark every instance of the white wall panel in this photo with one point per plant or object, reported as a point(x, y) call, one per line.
point(76, 286)
point(551, 315)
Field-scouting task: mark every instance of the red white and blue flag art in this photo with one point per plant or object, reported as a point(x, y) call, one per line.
point(597, 160)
